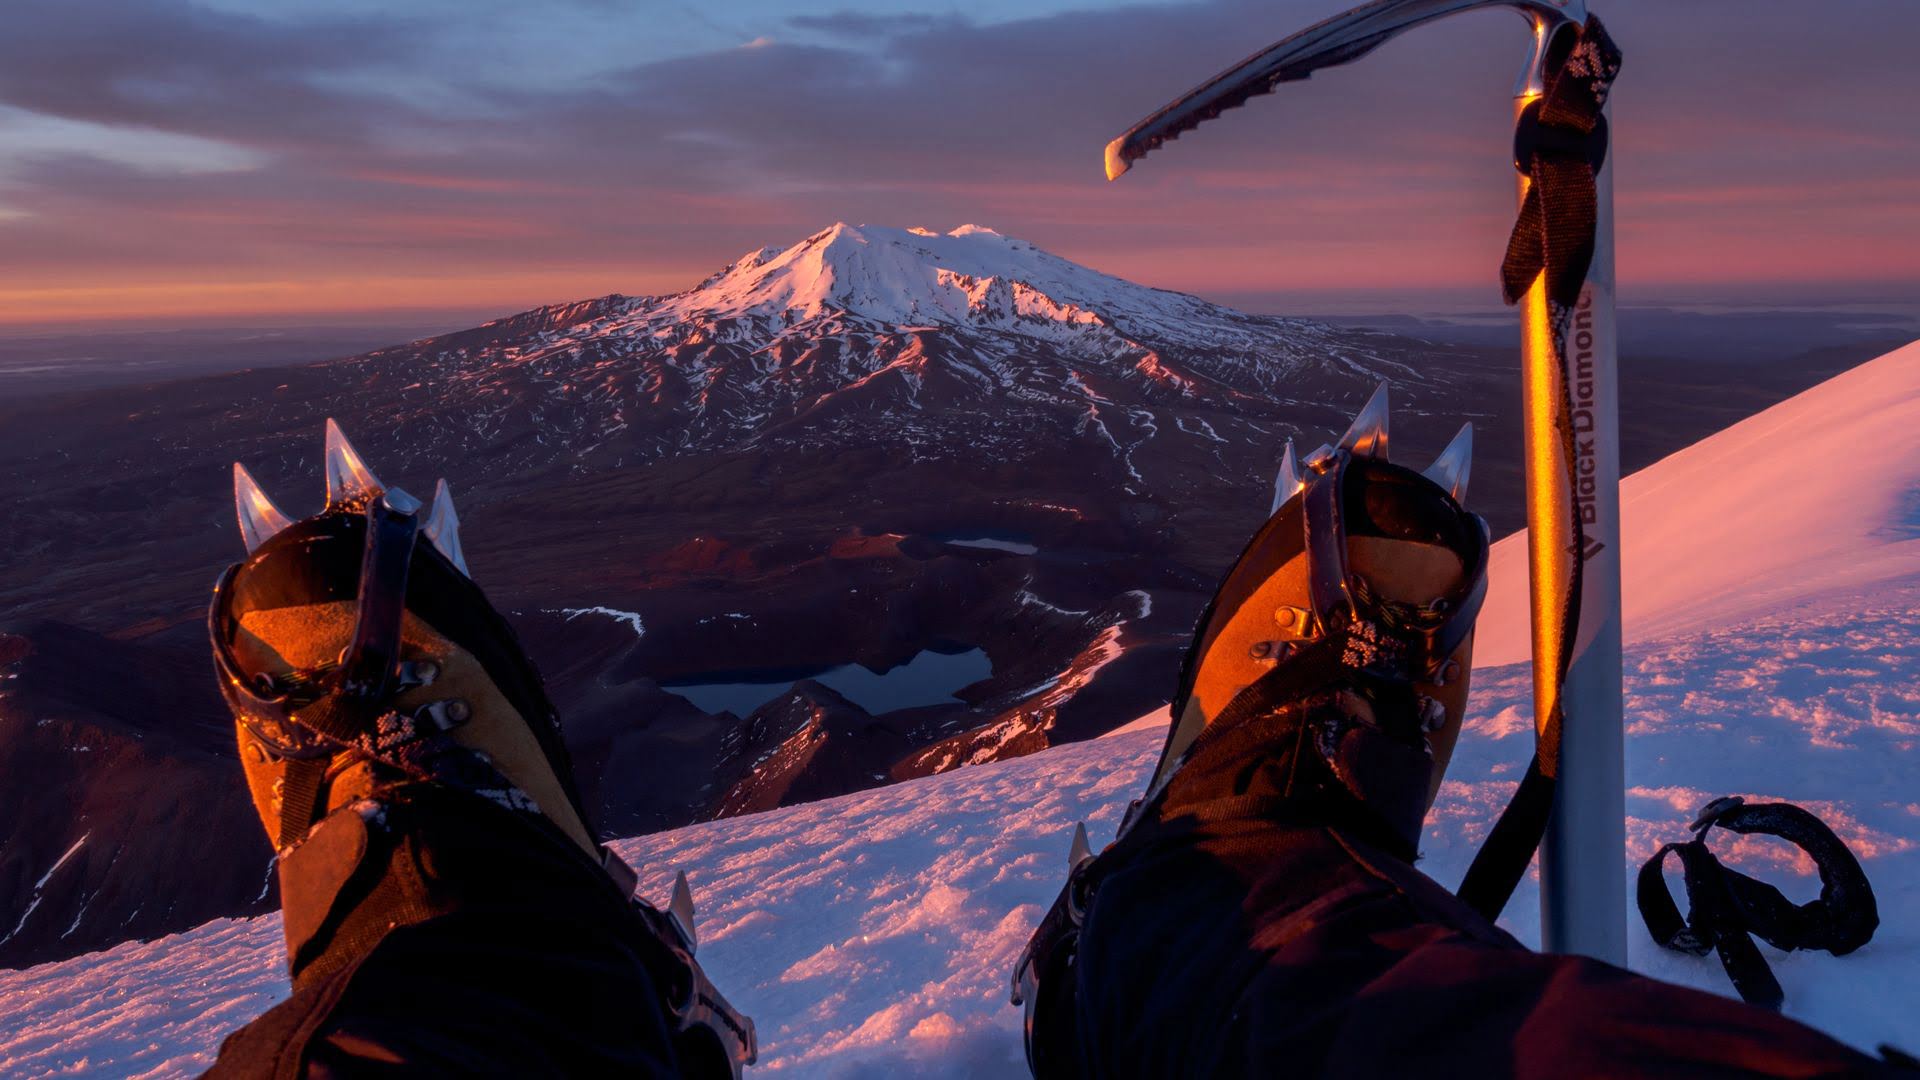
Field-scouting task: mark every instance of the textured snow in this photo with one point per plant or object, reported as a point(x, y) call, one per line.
point(871, 935)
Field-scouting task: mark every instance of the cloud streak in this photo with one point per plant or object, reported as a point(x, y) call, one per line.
point(353, 150)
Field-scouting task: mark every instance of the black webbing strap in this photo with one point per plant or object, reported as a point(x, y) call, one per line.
point(299, 798)
point(369, 666)
point(1503, 857)
point(366, 674)
point(1561, 145)
point(1725, 907)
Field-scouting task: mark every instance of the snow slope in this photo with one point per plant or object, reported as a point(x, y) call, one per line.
point(871, 935)
point(1817, 496)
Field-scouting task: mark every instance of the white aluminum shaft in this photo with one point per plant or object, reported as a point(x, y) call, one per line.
point(1583, 891)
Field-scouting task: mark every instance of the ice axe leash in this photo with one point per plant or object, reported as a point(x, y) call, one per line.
point(1559, 271)
point(1728, 909)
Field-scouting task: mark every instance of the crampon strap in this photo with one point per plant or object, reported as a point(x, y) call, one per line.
point(1725, 906)
point(366, 672)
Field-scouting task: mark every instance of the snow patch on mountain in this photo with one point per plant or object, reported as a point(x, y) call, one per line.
point(630, 618)
point(46, 877)
point(846, 281)
point(914, 277)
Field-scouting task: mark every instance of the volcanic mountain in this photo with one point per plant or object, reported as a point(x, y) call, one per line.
point(737, 527)
point(968, 346)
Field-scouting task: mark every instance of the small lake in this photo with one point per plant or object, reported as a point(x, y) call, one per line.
point(993, 543)
point(930, 678)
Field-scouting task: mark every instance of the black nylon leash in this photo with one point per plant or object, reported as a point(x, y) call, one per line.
point(1561, 143)
point(1726, 908)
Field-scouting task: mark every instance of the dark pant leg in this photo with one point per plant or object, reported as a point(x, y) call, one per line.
point(1231, 938)
point(532, 965)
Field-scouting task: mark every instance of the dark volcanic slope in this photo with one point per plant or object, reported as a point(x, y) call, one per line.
point(122, 807)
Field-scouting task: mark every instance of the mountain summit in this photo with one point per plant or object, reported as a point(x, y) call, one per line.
point(937, 346)
point(972, 276)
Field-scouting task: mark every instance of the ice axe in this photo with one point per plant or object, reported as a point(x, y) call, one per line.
point(1559, 270)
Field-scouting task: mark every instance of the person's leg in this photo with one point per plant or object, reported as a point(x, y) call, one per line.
point(1238, 937)
point(447, 905)
point(1260, 914)
point(524, 960)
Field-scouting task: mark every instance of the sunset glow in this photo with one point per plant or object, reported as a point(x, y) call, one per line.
point(287, 158)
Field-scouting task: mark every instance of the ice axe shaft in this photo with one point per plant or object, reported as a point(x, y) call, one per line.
point(1582, 870)
point(1570, 408)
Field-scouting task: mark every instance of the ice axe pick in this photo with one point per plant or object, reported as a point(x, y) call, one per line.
point(1559, 271)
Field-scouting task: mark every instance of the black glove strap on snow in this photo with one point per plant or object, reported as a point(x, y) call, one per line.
point(1726, 906)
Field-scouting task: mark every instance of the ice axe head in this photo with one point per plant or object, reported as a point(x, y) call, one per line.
point(1335, 41)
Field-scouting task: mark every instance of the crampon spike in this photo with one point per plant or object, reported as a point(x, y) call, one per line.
point(349, 482)
point(1451, 469)
point(443, 527)
point(259, 517)
point(1081, 850)
point(1367, 435)
point(680, 909)
point(1287, 480)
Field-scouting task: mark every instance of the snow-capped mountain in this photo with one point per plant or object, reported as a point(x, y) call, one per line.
point(872, 934)
point(937, 347)
point(971, 276)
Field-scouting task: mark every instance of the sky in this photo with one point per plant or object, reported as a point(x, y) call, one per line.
point(173, 163)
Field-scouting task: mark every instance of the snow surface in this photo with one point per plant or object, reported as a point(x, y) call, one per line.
point(871, 935)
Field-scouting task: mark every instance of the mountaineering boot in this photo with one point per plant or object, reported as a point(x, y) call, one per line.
point(1325, 684)
point(399, 746)
point(1349, 618)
